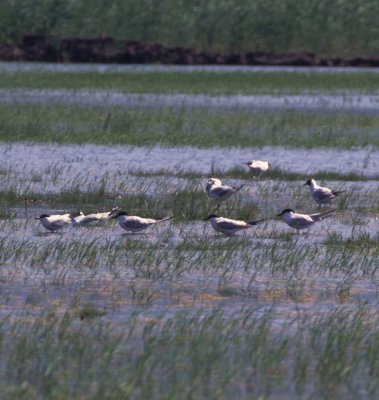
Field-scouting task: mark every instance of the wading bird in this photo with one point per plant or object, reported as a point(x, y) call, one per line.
point(302, 221)
point(258, 167)
point(96, 217)
point(55, 222)
point(229, 226)
point(321, 194)
point(217, 191)
point(134, 223)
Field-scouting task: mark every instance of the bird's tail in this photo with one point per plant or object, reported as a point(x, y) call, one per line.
point(164, 219)
point(337, 192)
point(255, 222)
point(323, 215)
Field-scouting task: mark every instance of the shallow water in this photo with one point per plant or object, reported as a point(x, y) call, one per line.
point(90, 98)
point(142, 68)
point(65, 163)
point(185, 265)
point(235, 278)
point(117, 289)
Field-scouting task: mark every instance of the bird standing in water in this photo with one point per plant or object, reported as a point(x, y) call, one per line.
point(136, 224)
point(229, 226)
point(321, 195)
point(217, 191)
point(302, 221)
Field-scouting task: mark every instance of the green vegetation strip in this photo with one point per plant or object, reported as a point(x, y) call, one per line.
point(201, 127)
point(243, 173)
point(211, 83)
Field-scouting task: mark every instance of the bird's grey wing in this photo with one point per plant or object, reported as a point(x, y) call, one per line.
point(323, 194)
point(255, 170)
point(221, 191)
point(301, 221)
point(57, 224)
point(134, 224)
point(231, 225)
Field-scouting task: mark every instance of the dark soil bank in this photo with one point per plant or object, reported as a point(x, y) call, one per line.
point(35, 47)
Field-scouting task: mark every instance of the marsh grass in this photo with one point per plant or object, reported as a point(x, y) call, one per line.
point(223, 351)
point(190, 203)
point(360, 242)
point(184, 312)
point(158, 255)
point(274, 173)
point(201, 127)
point(200, 356)
point(185, 198)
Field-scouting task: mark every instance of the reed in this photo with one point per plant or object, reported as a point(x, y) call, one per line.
point(333, 28)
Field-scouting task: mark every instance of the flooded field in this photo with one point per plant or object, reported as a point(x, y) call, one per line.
point(95, 162)
point(37, 67)
point(182, 311)
point(321, 102)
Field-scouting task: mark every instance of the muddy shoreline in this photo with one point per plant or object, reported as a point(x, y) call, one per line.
point(33, 47)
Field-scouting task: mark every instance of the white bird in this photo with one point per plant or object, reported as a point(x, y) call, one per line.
point(55, 222)
point(302, 221)
point(136, 224)
point(82, 219)
point(321, 194)
point(217, 191)
point(258, 167)
point(229, 226)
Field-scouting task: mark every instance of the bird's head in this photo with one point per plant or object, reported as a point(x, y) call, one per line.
point(43, 216)
point(213, 181)
point(285, 211)
point(119, 214)
point(309, 182)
